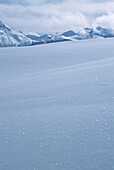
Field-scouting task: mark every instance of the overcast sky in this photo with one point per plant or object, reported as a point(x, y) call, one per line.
point(56, 15)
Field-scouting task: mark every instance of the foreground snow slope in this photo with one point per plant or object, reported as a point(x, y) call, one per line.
point(57, 106)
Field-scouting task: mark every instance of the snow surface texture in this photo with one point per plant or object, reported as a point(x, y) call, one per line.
point(57, 106)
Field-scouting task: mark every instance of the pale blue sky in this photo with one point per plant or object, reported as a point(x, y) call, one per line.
point(56, 15)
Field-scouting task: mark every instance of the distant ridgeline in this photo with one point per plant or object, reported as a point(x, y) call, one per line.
point(10, 37)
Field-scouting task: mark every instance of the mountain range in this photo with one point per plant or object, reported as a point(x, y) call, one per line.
point(10, 37)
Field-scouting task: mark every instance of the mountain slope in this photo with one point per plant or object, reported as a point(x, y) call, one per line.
point(9, 37)
point(57, 106)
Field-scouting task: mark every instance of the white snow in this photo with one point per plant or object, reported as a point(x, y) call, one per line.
point(12, 38)
point(9, 37)
point(57, 106)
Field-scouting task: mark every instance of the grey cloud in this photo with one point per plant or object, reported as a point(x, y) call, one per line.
point(29, 2)
point(40, 2)
point(59, 17)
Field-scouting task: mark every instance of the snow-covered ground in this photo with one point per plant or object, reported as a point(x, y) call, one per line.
point(57, 106)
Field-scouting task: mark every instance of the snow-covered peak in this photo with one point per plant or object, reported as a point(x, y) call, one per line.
point(34, 34)
point(10, 37)
point(104, 32)
point(1, 23)
point(91, 33)
point(69, 33)
point(4, 27)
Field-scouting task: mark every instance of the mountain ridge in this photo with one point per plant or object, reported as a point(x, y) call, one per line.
point(10, 37)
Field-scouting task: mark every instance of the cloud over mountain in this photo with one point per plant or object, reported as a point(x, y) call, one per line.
point(46, 16)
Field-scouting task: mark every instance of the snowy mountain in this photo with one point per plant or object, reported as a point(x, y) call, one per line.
point(10, 37)
point(91, 33)
point(86, 33)
point(104, 32)
point(47, 38)
point(69, 33)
